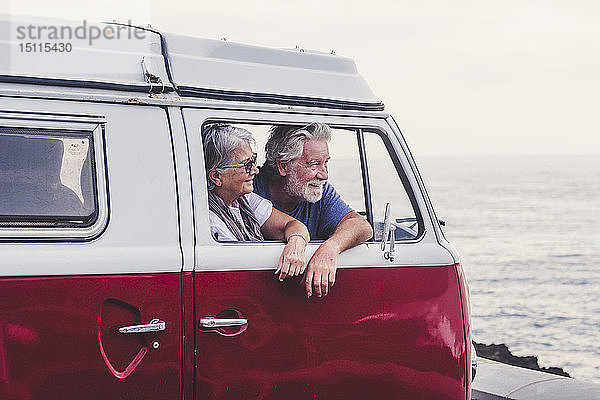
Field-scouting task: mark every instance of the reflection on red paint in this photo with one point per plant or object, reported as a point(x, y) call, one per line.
point(22, 334)
point(122, 347)
point(129, 368)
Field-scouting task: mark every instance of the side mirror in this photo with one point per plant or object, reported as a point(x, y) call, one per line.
point(388, 230)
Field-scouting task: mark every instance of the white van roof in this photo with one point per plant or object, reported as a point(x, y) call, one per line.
point(144, 59)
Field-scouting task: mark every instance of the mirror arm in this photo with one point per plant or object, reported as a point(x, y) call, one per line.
point(389, 255)
point(386, 226)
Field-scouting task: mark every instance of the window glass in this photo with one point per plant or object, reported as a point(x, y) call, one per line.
point(46, 178)
point(387, 187)
point(345, 175)
point(344, 168)
point(344, 165)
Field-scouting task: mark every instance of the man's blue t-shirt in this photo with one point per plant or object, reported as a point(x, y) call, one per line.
point(321, 218)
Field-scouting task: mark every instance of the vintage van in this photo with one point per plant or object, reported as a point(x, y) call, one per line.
point(111, 286)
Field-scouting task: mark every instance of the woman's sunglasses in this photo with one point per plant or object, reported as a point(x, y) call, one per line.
point(247, 165)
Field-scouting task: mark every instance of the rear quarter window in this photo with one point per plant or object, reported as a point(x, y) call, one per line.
point(53, 178)
point(46, 178)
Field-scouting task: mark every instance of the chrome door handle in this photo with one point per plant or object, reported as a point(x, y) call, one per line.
point(212, 322)
point(156, 325)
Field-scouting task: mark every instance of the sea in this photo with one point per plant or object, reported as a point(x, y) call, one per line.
point(528, 231)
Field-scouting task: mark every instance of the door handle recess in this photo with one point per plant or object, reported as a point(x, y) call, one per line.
point(156, 325)
point(212, 322)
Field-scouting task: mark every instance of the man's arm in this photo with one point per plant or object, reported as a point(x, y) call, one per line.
point(352, 230)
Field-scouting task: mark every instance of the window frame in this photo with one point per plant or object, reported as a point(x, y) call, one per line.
point(359, 131)
point(401, 174)
point(92, 125)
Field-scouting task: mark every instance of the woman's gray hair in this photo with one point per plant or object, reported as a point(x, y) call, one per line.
point(219, 141)
point(286, 143)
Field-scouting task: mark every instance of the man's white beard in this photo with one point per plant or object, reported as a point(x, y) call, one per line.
point(311, 192)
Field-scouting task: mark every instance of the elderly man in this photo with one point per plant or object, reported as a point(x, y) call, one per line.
point(294, 178)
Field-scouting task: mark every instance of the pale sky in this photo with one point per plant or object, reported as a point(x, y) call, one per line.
point(464, 77)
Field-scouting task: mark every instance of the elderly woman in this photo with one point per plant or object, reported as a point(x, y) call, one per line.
point(236, 213)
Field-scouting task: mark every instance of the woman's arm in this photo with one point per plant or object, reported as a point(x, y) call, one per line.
point(281, 226)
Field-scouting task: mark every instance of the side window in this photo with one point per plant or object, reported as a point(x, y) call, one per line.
point(46, 178)
point(346, 175)
point(345, 169)
point(48, 185)
point(344, 166)
point(387, 186)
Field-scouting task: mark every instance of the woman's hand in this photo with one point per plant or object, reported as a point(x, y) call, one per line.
point(281, 226)
point(292, 261)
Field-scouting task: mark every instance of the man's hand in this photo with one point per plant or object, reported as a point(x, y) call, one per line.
point(320, 274)
point(350, 231)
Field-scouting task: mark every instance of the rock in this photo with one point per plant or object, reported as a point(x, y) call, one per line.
point(501, 353)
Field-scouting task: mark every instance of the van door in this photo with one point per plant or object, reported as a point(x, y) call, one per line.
point(90, 261)
point(390, 328)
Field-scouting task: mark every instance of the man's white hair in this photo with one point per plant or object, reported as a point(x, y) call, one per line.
point(286, 142)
